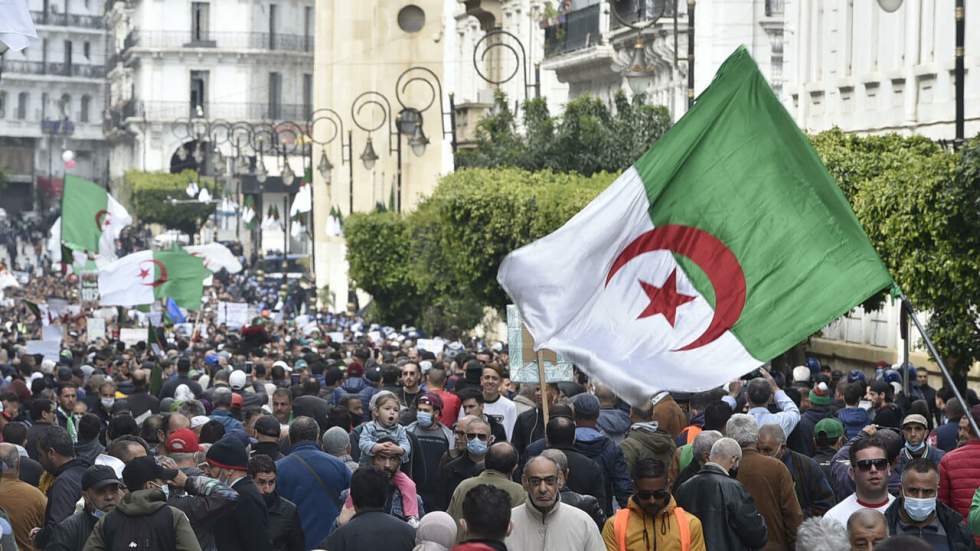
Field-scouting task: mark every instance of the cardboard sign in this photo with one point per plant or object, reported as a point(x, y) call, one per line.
point(432, 345)
point(95, 328)
point(132, 335)
point(523, 358)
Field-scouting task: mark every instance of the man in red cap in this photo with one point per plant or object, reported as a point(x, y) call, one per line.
point(434, 440)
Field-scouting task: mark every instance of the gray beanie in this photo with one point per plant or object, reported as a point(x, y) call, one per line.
point(335, 441)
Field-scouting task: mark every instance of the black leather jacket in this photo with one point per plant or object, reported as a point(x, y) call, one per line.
point(285, 529)
point(729, 518)
point(585, 503)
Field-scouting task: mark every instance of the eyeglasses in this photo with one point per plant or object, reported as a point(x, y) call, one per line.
point(472, 435)
point(866, 464)
point(656, 494)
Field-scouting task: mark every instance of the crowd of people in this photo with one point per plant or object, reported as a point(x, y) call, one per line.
point(277, 436)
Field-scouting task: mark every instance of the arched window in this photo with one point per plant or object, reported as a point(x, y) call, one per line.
point(64, 105)
point(86, 105)
point(22, 99)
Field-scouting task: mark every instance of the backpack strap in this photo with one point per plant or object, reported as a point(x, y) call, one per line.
point(620, 521)
point(684, 527)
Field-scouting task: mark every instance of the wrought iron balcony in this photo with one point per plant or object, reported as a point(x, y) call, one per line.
point(220, 40)
point(68, 20)
point(173, 110)
point(575, 30)
point(54, 69)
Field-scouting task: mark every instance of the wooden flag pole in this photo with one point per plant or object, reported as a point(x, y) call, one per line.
point(543, 386)
point(935, 355)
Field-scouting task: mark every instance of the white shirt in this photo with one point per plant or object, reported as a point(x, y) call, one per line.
point(788, 416)
point(843, 510)
point(504, 411)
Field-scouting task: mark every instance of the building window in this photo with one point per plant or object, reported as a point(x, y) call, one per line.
point(199, 21)
point(275, 96)
point(87, 51)
point(273, 16)
point(64, 106)
point(22, 99)
point(307, 95)
point(68, 58)
point(44, 105)
point(3, 104)
point(86, 106)
point(308, 28)
point(411, 19)
point(199, 98)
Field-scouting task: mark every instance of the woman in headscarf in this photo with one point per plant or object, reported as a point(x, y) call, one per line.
point(436, 532)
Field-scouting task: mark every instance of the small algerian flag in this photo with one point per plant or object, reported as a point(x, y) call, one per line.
point(146, 276)
point(722, 247)
point(91, 219)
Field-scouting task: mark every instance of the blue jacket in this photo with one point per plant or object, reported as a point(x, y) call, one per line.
point(853, 419)
point(354, 385)
point(317, 497)
point(601, 449)
point(614, 423)
point(947, 435)
point(225, 418)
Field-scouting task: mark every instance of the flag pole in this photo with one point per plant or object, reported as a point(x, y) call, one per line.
point(544, 387)
point(935, 355)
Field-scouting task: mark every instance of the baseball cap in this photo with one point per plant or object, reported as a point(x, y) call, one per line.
point(432, 399)
point(182, 441)
point(237, 379)
point(199, 421)
point(141, 470)
point(830, 427)
point(915, 418)
point(801, 374)
point(99, 476)
point(237, 401)
point(268, 425)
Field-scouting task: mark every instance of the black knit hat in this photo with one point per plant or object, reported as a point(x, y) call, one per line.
point(228, 453)
point(141, 470)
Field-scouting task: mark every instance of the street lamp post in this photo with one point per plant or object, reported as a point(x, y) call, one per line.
point(499, 39)
point(376, 100)
point(324, 166)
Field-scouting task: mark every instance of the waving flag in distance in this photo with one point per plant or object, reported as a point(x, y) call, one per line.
point(147, 276)
point(723, 246)
point(91, 219)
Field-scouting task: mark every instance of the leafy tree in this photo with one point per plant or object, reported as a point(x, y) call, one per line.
point(377, 253)
point(152, 193)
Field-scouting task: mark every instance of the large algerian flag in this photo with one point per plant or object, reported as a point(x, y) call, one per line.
point(91, 219)
point(146, 276)
point(723, 246)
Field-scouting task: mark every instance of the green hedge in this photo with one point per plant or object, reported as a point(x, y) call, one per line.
point(150, 193)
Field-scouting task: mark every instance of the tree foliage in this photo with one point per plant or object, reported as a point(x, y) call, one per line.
point(151, 193)
point(587, 138)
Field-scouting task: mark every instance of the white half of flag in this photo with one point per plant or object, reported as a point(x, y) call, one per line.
point(303, 202)
point(16, 27)
point(215, 257)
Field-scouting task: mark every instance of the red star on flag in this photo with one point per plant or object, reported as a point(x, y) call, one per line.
point(664, 300)
point(144, 273)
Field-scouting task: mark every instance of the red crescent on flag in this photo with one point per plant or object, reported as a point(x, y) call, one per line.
point(162, 278)
point(100, 218)
point(716, 260)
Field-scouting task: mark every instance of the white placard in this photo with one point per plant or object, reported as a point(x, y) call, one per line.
point(132, 335)
point(336, 336)
point(432, 345)
point(233, 314)
point(95, 328)
point(49, 349)
point(53, 333)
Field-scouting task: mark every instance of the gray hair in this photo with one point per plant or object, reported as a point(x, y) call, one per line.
point(773, 431)
point(222, 397)
point(822, 534)
point(703, 443)
point(335, 441)
point(537, 458)
point(743, 429)
point(723, 449)
point(10, 457)
point(558, 457)
point(192, 408)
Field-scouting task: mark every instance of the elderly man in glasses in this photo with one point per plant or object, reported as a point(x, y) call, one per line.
point(870, 469)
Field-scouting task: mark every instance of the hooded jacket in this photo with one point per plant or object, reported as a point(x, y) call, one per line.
point(354, 385)
point(659, 532)
point(601, 449)
point(729, 517)
point(801, 440)
point(854, 419)
point(136, 514)
point(645, 441)
point(89, 451)
point(614, 423)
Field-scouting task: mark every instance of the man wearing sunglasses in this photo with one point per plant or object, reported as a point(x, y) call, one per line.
point(870, 470)
point(652, 519)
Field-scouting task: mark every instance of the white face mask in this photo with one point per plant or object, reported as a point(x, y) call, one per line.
point(108, 402)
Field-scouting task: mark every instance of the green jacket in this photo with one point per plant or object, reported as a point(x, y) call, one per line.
point(973, 520)
point(493, 478)
point(143, 503)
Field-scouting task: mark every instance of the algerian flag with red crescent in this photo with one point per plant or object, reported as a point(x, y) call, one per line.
point(146, 276)
point(726, 244)
point(91, 219)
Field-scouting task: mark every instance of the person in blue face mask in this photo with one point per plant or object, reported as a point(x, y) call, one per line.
point(433, 440)
point(915, 429)
point(918, 513)
point(470, 463)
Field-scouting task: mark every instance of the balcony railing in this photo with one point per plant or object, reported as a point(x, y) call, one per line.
point(222, 40)
point(68, 20)
point(56, 69)
point(579, 29)
point(638, 11)
point(173, 110)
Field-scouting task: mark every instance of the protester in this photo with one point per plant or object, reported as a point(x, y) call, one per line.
point(917, 512)
point(812, 488)
point(24, 503)
point(586, 503)
point(759, 392)
point(57, 456)
point(247, 526)
point(768, 482)
point(870, 468)
point(436, 532)
point(486, 520)
point(959, 469)
point(285, 528)
point(433, 440)
point(495, 405)
point(436, 383)
point(471, 404)
point(370, 528)
point(646, 439)
point(530, 425)
point(613, 421)
point(652, 515)
point(947, 433)
point(267, 436)
point(312, 479)
point(828, 437)
point(701, 450)
point(601, 449)
point(974, 519)
point(729, 518)
point(470, 463)
point(865, 529)
point(853, 416)
point(205, 501)
point(543, 522)
point(499, 466)
point(915, 429)
point(102, 490)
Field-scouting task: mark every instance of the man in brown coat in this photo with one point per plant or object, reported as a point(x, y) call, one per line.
point(769, 483)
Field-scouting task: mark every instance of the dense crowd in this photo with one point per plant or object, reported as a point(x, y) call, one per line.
point(282, 435)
